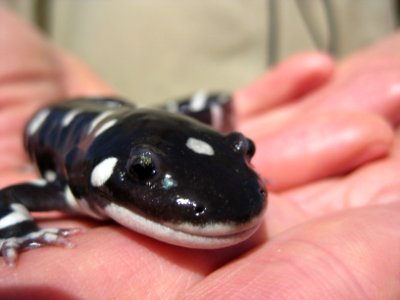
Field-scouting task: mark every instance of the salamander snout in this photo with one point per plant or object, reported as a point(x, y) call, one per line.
point(237, 204)
point(197, 190)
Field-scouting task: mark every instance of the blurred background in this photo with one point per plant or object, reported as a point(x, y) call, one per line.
point(156, 50)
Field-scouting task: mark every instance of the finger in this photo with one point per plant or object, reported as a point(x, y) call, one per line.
point(377, 93)
point(367, 81)
point(371, 184)
point(286, 82)
point(80, 80)
point(33, 70)
point(282, 213)
point(22, 49)
point(11, 146)
point(319, 146)
point(375, 90)
point(370, 79)
point(27, 62)
point(102, 252)
point(347, 246)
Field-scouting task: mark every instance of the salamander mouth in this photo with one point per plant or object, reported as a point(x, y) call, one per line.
point(211, 236)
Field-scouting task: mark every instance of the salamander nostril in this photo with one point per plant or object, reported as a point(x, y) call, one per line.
point(199, 209)
point(262, 192)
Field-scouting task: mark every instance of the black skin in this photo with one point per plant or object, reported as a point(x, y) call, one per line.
point(154, 175)
point(219, 188)
point(148, 145)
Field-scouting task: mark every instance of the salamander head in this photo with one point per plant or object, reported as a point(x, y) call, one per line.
point(185, 184)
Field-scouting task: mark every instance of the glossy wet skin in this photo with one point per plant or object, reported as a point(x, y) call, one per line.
point(183, 175)
point(158, 173)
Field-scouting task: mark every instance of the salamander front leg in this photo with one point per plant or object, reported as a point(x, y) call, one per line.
point(18, 230)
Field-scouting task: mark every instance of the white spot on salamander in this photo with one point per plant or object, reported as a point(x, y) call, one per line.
point(105, 126)
point(103, 171)
point(38, 182)
point(80, 205)
point(20, 209)
point(69, 117)
point(19, 214)
point(37, 121)
point(70, 199)
point(98, 119)
point(198, 101)
point(199, 146)
point(50, 175)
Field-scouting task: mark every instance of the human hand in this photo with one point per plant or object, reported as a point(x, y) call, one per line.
point(339, 126)
point(32, 74)
point(112, 262)
point(332, 159)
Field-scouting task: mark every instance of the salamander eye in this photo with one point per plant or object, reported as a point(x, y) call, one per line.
point(142, 167)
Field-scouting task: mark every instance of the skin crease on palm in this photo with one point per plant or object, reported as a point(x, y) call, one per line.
point(328, 147)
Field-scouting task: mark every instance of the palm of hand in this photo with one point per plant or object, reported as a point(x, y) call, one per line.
point(310, 250)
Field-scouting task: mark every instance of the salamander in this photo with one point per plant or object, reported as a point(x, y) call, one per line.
point(165, 173)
